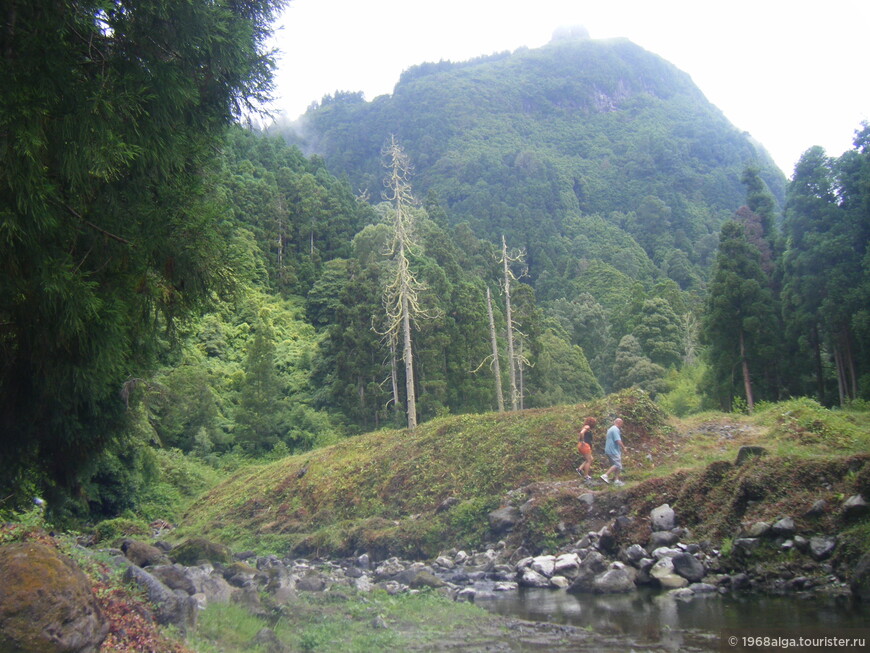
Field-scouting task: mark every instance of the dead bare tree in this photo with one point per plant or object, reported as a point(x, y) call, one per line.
point(401, 293)
point(514, 360)
point(496, 367)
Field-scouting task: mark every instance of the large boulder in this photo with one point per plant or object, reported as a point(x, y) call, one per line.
point(855, 507)
point(143, 555)
point(172, 606)
point(614, 581)
point(47, 604)
point(197, 550)
point(663, 571)
point(822, 547)
point(663, 518)
point(504, 519)
point(689, 567)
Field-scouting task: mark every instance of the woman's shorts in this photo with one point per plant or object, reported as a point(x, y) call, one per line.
point(584, 449)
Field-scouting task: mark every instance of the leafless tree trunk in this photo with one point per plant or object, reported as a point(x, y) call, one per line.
point(520, 365)
point(747, 382)
point(496, 367)
point(394, 371)
point(512, 362)
point(400, 295)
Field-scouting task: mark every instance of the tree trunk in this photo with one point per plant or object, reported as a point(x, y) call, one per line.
point(747, 382)
point(394, 372)
point(512, 361)
point(852, 387)
point(841, 375)
point(408, 357)
point(522, 388)
point(820, 372)
point(496, 367)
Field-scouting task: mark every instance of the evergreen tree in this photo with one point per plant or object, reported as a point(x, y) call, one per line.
point(658, 332)
point(261, 416)
point(740, 325)
point(824, 287)
point(631, 368)
point(109, 117)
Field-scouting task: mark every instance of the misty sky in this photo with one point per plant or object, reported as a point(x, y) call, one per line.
point(791, 73)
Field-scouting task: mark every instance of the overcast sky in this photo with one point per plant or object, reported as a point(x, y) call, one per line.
point(792, 73)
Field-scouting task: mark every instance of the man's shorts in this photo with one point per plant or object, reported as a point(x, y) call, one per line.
point(616, 460)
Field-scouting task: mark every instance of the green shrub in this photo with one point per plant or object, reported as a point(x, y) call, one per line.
point(111, 529)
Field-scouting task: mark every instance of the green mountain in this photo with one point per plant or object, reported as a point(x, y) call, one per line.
point(531, 143)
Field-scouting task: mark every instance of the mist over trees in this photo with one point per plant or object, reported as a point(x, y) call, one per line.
point(181, 283)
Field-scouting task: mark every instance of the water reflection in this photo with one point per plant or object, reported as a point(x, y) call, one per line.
point(649, 617)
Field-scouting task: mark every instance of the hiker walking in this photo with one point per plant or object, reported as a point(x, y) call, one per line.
point(584, 446)
point(614, 449)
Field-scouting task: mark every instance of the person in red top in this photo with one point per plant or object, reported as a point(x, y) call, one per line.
point(584, 446)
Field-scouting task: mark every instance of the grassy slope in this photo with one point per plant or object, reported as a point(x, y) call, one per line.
point(380, 492)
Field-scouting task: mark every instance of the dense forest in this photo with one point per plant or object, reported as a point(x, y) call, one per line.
point(522, 230)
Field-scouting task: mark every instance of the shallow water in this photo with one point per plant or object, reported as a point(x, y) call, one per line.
point(648, 618)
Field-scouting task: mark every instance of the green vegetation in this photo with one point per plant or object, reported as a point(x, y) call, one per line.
point(212, 298)
point(342, 622)
point(380, 492)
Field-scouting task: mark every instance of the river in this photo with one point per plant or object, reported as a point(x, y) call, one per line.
point(650, 620)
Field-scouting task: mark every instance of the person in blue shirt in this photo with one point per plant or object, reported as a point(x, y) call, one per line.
point(614, 449)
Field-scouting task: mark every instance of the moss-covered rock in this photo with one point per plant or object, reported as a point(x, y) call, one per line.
point(194, 550)
point(47, 604)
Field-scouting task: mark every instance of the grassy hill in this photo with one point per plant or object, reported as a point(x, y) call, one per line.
point(381, 492)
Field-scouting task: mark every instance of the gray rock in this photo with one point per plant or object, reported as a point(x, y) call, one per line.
point(560, 582)
point(746, 546)
point(688, 567)
point(389, 568)
point(758, 529)
point(172, 606)
point(594, 562)
point(665, 552)
point(703, 588)
point(855, 507)
point(783, 528)
point(663, 571)
point(504, 519)
point(311, 582)
point(662, 538)
point(175, 577)
point(634, 554)
point(423, 578)
point(614, 581)
point(544, 565)
point(818, 509)
point(531, 578)
point(567, 564)
point(663, 518)
point(588, 498)
point(860, 584)
point(802, 544)
point(822, 547)
point(466, 594)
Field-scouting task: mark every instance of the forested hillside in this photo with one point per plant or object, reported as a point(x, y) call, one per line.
point(577, 151)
